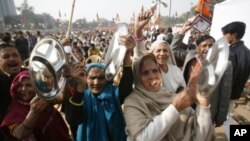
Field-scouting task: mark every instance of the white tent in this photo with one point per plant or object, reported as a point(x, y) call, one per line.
point(229, 11)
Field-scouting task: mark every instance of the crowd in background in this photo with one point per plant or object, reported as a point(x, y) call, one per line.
point(157, 86)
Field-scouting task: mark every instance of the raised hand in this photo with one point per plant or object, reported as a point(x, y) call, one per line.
point(186, 27)
point(192, 88)
point(77, 74)
point(142, 20)
point(128, 41)
point(37, 105)
point(183, 100)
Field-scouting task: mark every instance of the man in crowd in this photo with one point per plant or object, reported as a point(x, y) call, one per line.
point(21, 44)
point(239, 55)
point(10, 65)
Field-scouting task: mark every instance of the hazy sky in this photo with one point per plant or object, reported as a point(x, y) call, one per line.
point(105, 8)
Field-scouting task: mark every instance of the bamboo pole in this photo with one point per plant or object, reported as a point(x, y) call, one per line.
point(170, 5)
point(70, 20)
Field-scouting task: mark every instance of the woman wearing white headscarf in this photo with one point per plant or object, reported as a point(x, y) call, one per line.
point(173, 79)
point(152, 113)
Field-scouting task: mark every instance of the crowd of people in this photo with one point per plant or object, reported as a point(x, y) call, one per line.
point(153, 97)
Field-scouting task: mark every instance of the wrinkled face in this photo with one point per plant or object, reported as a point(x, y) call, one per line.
point(203, 47)
point(150, 76)
point(230, 37)
point(10, 60)
point(161, 53)
point(25, 91)
point(96, 80)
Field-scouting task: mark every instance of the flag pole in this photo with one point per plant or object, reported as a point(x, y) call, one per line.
point(170, 5)
point(159, 3)
point(70, 20)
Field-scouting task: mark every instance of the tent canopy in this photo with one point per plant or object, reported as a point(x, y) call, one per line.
point(229, 11)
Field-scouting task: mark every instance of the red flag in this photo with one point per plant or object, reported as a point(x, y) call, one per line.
point(203, 7)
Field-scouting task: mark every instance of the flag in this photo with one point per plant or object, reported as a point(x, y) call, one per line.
point(163, 3)
point(142, 8)
point(97, 17)
point(59, 14)
point(203, 7)
point(133, 17)
point(117, 18)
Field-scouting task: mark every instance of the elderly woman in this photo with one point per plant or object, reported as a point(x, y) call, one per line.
point(97, 107)
point(30, 117)
point(173, 79)
point(154, 114)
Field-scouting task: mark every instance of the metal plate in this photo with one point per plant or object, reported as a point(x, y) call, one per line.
point(115, 54)
point(214, 67)
point(46, 66)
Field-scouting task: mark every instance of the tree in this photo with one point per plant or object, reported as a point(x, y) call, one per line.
point(27, 14)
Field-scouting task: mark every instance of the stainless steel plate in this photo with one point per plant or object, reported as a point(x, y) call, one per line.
point(115, 54)
point(214, 67)
point(46, 66)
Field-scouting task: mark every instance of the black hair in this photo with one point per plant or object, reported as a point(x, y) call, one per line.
point(38, 32)
point(92, 45)
point(203, 38)
point(235, 27)
point(5, 45)
point(20, 32)
point(169, 29)
point(6, 37)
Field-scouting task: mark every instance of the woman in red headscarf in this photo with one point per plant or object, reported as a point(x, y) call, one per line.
point(31, 118)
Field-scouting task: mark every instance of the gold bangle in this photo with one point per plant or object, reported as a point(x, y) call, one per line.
point(127, 65)
point(12, 127)
point(26, 127)
point(75, 104)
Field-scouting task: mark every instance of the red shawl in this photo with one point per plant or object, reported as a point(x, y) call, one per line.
point(49, 127)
